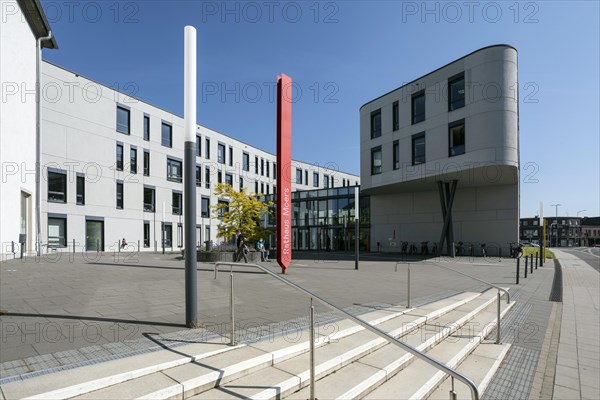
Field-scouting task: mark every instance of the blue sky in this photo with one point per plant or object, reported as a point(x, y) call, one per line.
point(343, 54)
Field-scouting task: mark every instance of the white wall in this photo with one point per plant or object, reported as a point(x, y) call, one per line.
point(80, 136)
point(17, 124)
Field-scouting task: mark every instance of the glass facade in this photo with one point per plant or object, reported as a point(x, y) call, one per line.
point(323, 220)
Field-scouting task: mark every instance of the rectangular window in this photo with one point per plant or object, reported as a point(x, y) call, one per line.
point(229, 179)
point(177, 204)
point(418, 107)
point(223, 207)
point(256, 187)
point(456, 140)
point(376, 124)
point(298, 176)
point(198, 146)
point(80, 189)
point(207, 148)
point(376, 160)
point(120, 198)
point(221, 153)
point(274, 171)
point(315, 179)
point(149, 199)
point(230, 156)
point(119, 157)
point(146, 234)
point(57, 232)
point(246, 162)
point(396, 116)
point(133, 159)
point(268, 166)
point(241, 183)
point(166, 135)
point(456, 92)
point(262, 167)
point(306, 176)
point(256, 165)
point(198, 175)
point(326, 181)
point(262, 188)
point(396, 154)
point(174, 170)
point(122, 120)
point(418, 149)
point(219, 177)
point(267, 189)
point(205, 207)
point(207, 177)
point(57, 187)
point(146, 127)
point(146, 163)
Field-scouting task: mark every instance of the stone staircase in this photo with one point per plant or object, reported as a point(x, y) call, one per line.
point(350, 361)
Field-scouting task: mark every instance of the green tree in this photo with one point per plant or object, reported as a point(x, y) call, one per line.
point(239, 210)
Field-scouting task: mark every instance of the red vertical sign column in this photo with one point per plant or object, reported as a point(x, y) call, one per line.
point(284, 175)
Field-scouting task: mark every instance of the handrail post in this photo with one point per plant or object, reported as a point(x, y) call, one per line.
point(232, 310)
point(452, 391)
point(408, 283)
point(498, 320)
point(312, 350)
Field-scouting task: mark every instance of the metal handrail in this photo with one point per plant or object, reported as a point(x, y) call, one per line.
point(366, 325)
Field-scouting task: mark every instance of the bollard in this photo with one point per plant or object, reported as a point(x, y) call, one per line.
point(155, 248)
point(518, 272)
point(97, 246)
point(119, 245)
point(138, 245)
point(531, 264)
point(500, 252)
point(526, 258)
point(536, 260)
point(13, 246)
point(542, 256)
point(73, 246)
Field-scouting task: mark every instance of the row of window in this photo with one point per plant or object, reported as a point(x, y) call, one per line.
point(456, 100)
point(456, 146)
point(124, 126)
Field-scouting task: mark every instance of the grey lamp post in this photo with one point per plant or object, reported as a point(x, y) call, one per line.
point(556, 216)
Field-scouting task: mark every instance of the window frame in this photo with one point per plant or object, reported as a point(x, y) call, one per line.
point(119, 128)
point(146, 162)
point(451, 146)
point(375, 133)
point(396, 155)
point(173, 162)
point(120, 163)
point(315, 179)
point(62, 195)
point(198, 146)
point(414, 139)
point(207, 148)
point(176, 209)
point(204, 200)
point(245, 161)
point(152, 206)
point(146, 127)
point(221, 157)
point(163, 125)
point(396, 115)
point(374, 170)
point(63, 219)
point(198, 175)
point(80, 178)
point(413, 116)
point(120, 202)
point(461, 101)
point(133, 159)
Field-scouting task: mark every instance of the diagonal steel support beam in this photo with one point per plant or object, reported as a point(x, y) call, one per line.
point(447, 200)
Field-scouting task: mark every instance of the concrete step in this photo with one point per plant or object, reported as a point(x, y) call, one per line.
point(191, 378)
point(419, 379)
point(480, 366)
point(295, 373)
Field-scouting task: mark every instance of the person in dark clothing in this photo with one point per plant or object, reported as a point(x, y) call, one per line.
point(241, 247)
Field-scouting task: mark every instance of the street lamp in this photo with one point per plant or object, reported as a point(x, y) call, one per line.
point(556, 213)
point(580, 212)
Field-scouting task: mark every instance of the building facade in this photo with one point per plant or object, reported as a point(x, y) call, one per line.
point(440, 155)
point(563, 231)
point(531, 230)
point(113, 169)
point(590, 231)
point(23, 23)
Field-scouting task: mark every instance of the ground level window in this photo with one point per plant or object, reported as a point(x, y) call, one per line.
point(57, 232)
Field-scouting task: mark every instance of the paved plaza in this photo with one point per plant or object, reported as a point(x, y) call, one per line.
point(81, 309)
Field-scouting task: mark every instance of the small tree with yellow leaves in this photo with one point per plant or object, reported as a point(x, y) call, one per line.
point(239, 210)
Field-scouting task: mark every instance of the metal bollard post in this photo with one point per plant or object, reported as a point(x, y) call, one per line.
point(312, 350)
point(232, 338)
point(119, 245)
point(518, 272)
point(536, 260)
point(452, 391)
point(531, 264)
point(408, 283)
point(12, 242)
point(138, 245)
point(97, 246)
point(498, 320)
point(526, 258)
point(73, 246)
point(542, 256)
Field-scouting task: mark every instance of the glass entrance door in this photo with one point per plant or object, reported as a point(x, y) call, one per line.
point(94, 235)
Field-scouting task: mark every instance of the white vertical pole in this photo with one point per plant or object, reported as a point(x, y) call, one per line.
point(190, 177)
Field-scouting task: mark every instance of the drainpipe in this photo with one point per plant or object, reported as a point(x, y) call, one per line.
point(38, 140)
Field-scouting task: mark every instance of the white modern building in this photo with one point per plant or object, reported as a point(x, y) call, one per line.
point(22, 24)
point(113, 169)
point(440, 155)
